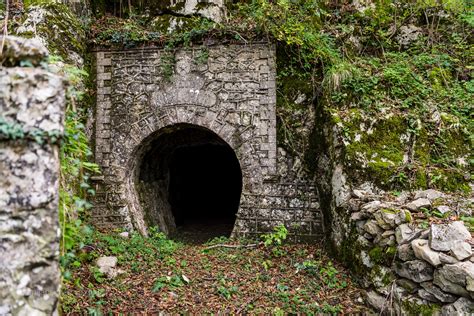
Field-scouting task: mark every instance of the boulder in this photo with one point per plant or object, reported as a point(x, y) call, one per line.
point(462, 306)
point(470, 284)
point(404, 216)
point(443, 236)
point(406, 233)
point(423, 251)
point(415, 270)
point(452, 278)
point(417, 204)
point(461, 250)
point(357, 216)
point(107, 265)
point(387, 242)
point(437, 293)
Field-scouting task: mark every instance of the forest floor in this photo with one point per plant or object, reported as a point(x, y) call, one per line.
point(160, 275)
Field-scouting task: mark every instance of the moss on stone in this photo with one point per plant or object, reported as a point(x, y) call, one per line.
point(62, 31)
point(379, 152)
point(417, 308)
point(383, 255)
point(376, 254)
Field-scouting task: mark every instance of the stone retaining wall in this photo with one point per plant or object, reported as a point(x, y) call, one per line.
point(31, 123)
point(412, 251)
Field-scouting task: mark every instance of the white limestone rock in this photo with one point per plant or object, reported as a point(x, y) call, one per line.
point(406, 233)
point(444, 236)
point(417, 204)
point(437, 293)
point(463, 306)
point(452, 278)
point(461, 250)
point(445, 259)
point(376, 300)
point(424, 294)
point(423, 251)
point(443, 209)
point(371, 207)
point(415, 270)
point(124, 234)
point(105, 263)
point(429, 194)
point(408, 34)
point(405, 252)
point(385, 218)
point(373, 228)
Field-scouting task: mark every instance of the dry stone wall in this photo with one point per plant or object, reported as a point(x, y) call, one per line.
point(31, 122)
point(411, 266)
point(227, 89)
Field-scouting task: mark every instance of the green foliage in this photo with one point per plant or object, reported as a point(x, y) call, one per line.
point(76, 170)
point(171, 282)
point(226, 291)
point(14, 131)
point(327, 273)
point(138, 251)
point(277, 237)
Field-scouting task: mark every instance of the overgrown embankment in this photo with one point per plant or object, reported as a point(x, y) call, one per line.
point(393, 80)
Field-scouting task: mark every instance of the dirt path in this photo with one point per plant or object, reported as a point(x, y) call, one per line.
point(194, 279)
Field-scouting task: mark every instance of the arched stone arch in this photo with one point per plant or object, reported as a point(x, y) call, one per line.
point(232, 94)
point(135, 204)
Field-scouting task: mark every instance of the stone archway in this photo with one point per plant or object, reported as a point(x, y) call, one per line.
point(231, 96)
point(185, 176)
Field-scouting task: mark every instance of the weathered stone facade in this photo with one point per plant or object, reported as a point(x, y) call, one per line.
point(31, 122)
point(228, 90)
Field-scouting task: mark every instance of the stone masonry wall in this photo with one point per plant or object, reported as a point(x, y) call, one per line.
point(412, 251)
point(228, 89)
point(31, 121)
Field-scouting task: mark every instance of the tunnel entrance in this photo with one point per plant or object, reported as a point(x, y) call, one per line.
point(190, 183)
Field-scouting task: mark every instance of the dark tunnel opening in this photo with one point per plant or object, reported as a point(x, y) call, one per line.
point(190, 184)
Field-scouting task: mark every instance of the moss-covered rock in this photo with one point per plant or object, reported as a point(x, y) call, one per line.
point(59, 30)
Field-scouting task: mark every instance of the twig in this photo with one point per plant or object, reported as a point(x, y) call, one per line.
point(233, 246)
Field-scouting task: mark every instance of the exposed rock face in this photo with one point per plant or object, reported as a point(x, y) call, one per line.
point(31, 120)
point(444, 236)
point(17, 49)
